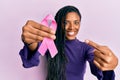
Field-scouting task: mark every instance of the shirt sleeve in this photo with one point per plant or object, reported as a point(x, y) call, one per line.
point(29, 58)
point(109, 75)
point(101, 75)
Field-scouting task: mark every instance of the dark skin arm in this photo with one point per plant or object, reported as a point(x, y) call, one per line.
point(104, 58)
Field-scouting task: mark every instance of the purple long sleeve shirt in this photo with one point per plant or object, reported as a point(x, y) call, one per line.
point(77, 53)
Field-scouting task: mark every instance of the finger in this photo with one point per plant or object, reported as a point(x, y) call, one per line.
point(99, 66)
point(35, 31)
point(101, 62)
point(93, 44)
point(102, 49)
point(40, 26)
point(105, 58)
point(98, 54)
point(41, 33)
point(27, 35)
point(103, 68)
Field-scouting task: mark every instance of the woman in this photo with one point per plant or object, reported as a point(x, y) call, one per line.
point(70, 62)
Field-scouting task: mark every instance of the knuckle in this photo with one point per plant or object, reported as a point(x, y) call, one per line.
point(29, 22)
point(38, 33)
point(48, 35)
point(40, 27)
point(108, 60)
point(24, 28)
point(109, 53)
point(49, 30)
point(41, 39)
point(104, 65)
point(38, 38)
point(24, 34)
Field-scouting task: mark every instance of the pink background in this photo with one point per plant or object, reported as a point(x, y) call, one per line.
point(100, 23)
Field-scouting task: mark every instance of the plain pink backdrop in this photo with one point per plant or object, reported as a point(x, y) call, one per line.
point(100, 23)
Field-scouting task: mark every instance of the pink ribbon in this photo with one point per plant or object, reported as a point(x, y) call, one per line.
point(48, 43)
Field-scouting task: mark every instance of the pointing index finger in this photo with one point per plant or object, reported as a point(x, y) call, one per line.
point(103, 49)
point(93, 44)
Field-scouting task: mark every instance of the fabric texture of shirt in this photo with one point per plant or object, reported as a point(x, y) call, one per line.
point(77, 53)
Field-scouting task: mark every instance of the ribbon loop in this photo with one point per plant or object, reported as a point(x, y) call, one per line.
point(48, 43)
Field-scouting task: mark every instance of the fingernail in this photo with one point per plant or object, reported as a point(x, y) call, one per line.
point(53, 31)
point(53, 37)
point(87, 41)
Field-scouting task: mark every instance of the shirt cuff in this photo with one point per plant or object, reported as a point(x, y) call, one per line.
point(109, 75)
point(28, 57)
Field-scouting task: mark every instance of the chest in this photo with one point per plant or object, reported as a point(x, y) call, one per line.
point(75, 54)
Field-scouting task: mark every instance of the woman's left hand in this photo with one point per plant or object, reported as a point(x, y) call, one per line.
point(104, 58)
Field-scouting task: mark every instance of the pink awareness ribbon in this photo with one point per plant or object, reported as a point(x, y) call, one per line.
point(48, 43)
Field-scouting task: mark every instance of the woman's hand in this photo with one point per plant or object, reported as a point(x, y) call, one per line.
point(33, 32)
point(104, 58)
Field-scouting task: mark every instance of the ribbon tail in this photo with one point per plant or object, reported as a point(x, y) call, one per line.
point(43, 47)
point(51, 47)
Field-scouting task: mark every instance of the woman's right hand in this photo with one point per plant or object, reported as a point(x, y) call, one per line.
point(33, 32)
